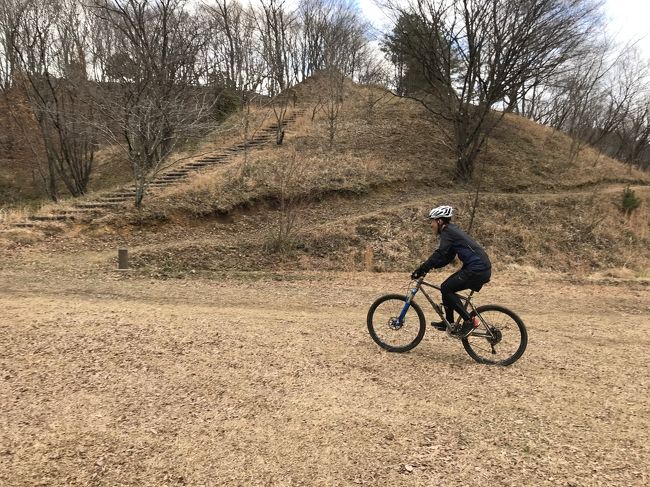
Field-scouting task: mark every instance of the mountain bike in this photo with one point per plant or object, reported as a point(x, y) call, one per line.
point(396, 323)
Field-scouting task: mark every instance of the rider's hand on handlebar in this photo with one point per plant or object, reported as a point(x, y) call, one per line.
point(418, 273)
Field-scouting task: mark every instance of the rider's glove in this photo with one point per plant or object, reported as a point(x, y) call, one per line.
point(419, 272)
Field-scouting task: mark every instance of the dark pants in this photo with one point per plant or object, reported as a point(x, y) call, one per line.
point(458, 281)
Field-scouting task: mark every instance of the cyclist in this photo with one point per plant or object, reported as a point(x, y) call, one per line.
point(475, 272)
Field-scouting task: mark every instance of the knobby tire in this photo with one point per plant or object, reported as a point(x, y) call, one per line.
point(497, 315)
point(374, 324)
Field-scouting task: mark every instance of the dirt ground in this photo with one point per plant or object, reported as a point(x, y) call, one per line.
point(272, 379)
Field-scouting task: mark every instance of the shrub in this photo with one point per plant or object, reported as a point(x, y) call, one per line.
point(630, 202)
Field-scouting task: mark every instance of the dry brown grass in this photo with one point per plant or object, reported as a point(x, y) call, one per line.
point(337, 233)
point(228, 376)
point(525, 155)
point(272, 379)
point(13, 238)
point(245, 182)
point(369, 190)
point(245, 123)
point(15, 214)
point(111, 169)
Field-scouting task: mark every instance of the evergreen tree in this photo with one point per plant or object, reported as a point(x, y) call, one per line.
point(406, 48)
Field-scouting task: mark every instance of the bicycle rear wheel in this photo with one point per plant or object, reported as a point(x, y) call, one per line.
point(500, 339)
point(385, 328)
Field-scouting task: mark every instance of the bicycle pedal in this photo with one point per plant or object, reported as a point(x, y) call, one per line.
point(439, 325)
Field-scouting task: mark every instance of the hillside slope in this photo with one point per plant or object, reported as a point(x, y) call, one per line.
point(359, 202)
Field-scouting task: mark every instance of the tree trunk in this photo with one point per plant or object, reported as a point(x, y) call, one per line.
point(139, 195)
point(467, 154)
point(51, 181)
point(464, 168)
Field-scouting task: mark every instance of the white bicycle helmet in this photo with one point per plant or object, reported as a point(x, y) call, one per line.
point(441, 212)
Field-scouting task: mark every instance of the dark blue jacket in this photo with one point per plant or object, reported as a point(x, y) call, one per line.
point(456, 243)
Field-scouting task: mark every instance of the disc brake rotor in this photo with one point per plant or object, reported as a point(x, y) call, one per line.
point(394, 324)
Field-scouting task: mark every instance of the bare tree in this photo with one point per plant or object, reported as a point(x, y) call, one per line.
point(277, 28)
point(232, 55)
point(345, 40)
point(473, 53)
point(49, 48)
point(550, 106)
point(332, 101)
point(288, 177)
point(331, 34)
point(581, 90)
point(227, 20)
point(625, 95)
point(10, 13)
point(634, 135)
point(274, 22)
point(371, 68)
point(599, 99)
point(156, 104)
point(308, 51)
point(101, 47)
point(280, 106)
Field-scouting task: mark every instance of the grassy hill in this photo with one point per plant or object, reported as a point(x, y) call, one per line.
point(359, 203)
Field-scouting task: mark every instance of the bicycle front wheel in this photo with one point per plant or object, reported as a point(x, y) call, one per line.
point(500, 338)
point(386, 329)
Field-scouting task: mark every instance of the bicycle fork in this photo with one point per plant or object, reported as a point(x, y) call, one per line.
point(407, 304)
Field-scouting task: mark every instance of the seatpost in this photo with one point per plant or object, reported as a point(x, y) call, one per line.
point(468, 298)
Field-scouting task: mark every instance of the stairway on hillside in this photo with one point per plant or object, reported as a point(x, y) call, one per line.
point(85, 210)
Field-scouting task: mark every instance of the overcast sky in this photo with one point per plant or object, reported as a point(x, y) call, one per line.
point(628, 20)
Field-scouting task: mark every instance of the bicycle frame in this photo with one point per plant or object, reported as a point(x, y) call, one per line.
point(465, 298)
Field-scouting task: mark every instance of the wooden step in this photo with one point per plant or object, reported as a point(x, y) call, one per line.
point(121, 197)
point(45, 218)
point(99, 205)
point(116, 198)
point(67, 211)
point(195, 165)
point(173, 177)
